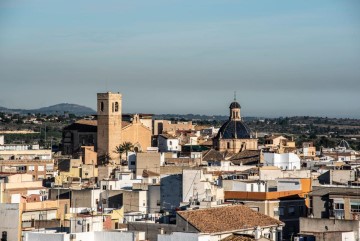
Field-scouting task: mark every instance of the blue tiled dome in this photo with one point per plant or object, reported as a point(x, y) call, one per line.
point(234, 129)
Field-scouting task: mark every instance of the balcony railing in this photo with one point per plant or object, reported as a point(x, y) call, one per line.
point(337, 214)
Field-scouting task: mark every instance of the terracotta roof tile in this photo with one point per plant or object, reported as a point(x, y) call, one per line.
point(246, 157)
point(239, 237)
point(212, 155)
point(87, 122)
point(228, 218)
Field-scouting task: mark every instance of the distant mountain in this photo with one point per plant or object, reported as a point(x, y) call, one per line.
point(78, 110)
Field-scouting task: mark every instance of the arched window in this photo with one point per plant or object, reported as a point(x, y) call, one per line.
point(116, 106)
point(101, 106)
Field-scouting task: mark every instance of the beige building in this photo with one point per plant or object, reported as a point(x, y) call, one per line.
point(108, 131)
point(150, 161)
point(88, 154)
point(39, 169)
point(166, 126)
point(280, 144)
point(108, 123)
point(138, 134)
point(234, 136)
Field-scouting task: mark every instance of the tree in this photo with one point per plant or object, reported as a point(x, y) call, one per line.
point(127, 146)
point(119, 150)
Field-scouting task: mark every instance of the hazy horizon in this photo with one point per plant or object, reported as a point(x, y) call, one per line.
point(292, 58)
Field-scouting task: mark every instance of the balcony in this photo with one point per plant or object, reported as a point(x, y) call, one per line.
point(337, 214)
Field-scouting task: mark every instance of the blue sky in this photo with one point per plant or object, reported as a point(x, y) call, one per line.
point(283, 58)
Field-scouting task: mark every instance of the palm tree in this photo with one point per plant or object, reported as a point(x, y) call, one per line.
point(119, 150)
point(127, 146)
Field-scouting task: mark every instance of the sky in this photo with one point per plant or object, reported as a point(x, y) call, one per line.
point(283, 58)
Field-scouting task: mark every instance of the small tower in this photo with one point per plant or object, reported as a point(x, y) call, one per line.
point(108, 123)
point(235, 110)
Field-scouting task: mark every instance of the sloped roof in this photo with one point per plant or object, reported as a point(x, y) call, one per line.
point(83, 126)
point(124, 124)
point(88, 125)
point(246, 157)
point(212, 155)
point(227, 219)
point(87, 122)
point(168, 136)
point(239, 237)
point(148, 173)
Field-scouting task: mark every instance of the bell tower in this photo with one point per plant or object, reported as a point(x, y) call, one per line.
point(108, 122)
point(235, 109)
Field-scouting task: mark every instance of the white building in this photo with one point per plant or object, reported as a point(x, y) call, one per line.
point(285, 161)
point(244, 185)
point(200, 187)
point(88, 236)
point(177, 236)
point(168, 143)
point(115, 184)
point(288, 184)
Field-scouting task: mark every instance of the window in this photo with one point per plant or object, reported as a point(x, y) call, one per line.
point(157, 202)
point(228, 145)
point(291, 211)
point(154, 181)
point(281, 211)
point(338, 206)
point(101, 106)
point(31, 168)
point(355, 207)
point(116, 106)
point(104, 187)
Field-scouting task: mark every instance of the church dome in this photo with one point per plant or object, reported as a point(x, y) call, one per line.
point(234, 105)
point(234, 129)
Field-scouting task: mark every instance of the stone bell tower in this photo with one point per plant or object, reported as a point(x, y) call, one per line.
point(108, 123)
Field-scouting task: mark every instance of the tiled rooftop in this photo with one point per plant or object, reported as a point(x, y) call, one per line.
point(239, 237)
point(229, 218)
